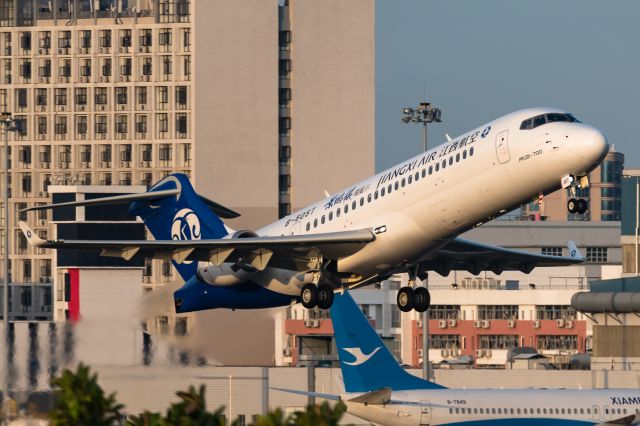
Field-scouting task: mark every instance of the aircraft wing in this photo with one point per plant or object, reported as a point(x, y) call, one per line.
point(461, 254)
point(632, 419)
point(291, 251)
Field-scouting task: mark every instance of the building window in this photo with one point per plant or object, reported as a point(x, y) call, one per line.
point(101, 95)
point(145, 39)
point(556, 342)
point(25, 40)
point(497, 312)
point(552, 251)
point(166, 65)
point(444, 312)
point(20, 122)
point(85, 68)
point(163, 122)
point(162, 96)
point(121, 124)
point(141, 95)
point(181, 125)
point(125, 153)
point(105, 153)
point(61, 125)
point(105, 38)
point(555, 312)
point(101, 125)
point(45, 69)
point(141, 125)
point(285, 96)
point(121, 95)
point(125, 38)
point(106, 67)
point(65, 68)
point(85, 39)
point(64, 39)
point(181, 97)
point(41, 97)
point(498, 341)
point(85, 154)
point(81, 96)
point(165, 37)
point(165, 152)
point(42, 125)
point(147, 152)
point(444, 341)
point(284, 184)
point(81, 124)
point(61, 97)
point(25, 68)
point(284, 209)
point(147, 66)
point(597, 254)
point(125, 69)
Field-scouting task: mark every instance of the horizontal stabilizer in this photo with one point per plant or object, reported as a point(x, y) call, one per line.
point(377, 397)
point(117, 199)
point(328, 396)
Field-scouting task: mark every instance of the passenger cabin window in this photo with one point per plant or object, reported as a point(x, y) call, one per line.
point(551, 117)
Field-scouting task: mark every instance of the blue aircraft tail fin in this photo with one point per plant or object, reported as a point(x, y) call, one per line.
point(366, 363)
point(184, 215)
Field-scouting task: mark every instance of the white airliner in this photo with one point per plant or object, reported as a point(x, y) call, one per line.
point(405, 219)
point(379, 390)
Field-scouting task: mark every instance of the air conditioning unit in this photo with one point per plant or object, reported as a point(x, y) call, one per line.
point(103, 164)
point(560, 323)
point(453, 323)
point(81, 107)
point(479, 353)
point(42, 137)
point(477, 324)
point(569, 324)
point(536, 324)
point(142, 106)
point(442, 323)
point(486, 324)
point(418, 323)
point(420, 353)
point(44, 165)
point(85, 165)
point(314, 323)
point(125, 164)
point(487, 353)
point(454, 353)
point(444, 353)
point(102, 50)
point(512, 323)
point(42, 222)
point(148, 164)
point(63, 165)
point(286, 352)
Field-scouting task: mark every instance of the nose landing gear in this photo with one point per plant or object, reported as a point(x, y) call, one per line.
point(573, 183)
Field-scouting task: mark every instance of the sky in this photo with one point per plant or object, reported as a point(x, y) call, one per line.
point(479, 59)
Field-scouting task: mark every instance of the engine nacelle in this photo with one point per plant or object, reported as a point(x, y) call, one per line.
point(226, 274)
point(240, 234)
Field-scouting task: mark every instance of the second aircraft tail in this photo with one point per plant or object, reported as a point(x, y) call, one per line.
point(367, 365)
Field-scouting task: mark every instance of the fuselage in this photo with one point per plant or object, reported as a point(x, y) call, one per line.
point(420, 203)
point(501, 407)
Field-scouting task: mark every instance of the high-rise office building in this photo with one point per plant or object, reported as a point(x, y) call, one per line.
point(264, 104)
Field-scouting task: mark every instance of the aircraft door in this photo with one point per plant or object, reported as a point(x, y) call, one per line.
point(425, 413)
point(295, 229)
point(502, 147)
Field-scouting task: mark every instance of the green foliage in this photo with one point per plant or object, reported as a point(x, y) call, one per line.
point(81, 401)
point(313, 415)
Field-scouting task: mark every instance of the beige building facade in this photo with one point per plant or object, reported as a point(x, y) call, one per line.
point(264, 104)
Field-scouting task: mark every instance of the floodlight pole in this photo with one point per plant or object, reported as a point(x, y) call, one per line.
point(425, 114)
point(7, 122)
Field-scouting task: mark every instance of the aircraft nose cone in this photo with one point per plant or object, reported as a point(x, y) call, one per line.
point(595, 146)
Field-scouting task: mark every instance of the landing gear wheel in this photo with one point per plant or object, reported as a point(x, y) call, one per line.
point(325, 296)
point(405, 299)
point(581, 206)
point(572, 205)
point(421, 299)
point(309, 296)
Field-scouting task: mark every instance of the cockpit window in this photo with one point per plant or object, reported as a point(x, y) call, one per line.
point(551, 117)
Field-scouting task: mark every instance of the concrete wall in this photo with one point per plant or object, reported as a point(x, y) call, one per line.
point(236, 107)
point(333, 106)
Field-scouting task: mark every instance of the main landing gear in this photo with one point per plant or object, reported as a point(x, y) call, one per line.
point(313, 295)
point(412, 297)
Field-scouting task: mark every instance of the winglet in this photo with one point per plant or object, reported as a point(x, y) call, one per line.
point(574, 253)
point(30, 235)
